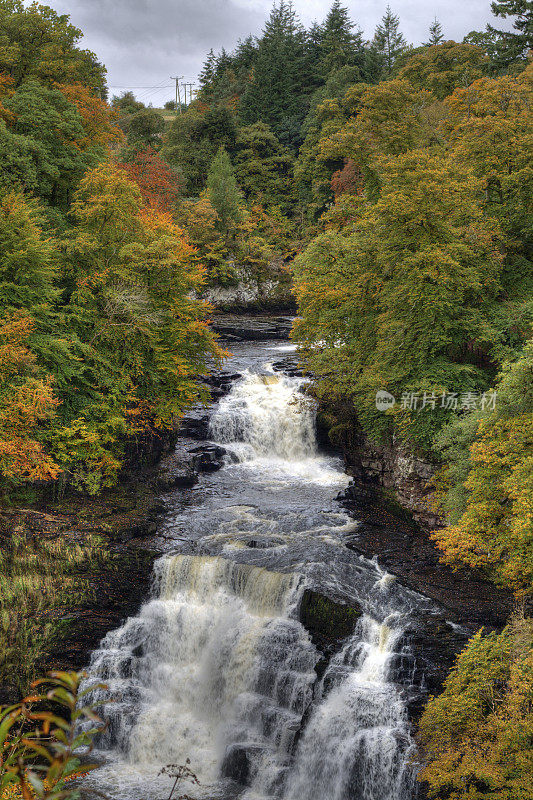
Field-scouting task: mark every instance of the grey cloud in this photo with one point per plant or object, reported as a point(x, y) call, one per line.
point(143, 42)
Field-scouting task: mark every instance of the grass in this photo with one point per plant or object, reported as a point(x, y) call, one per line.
point(41, 580)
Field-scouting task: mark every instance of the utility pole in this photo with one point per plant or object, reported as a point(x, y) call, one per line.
point(190, 85)
point(178, 78)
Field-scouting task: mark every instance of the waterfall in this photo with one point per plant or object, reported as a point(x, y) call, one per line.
point(266, 416)
point(357, 744)
point(217, 667)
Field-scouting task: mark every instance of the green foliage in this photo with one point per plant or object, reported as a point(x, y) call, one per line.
point(223, 192)
point(263, 167)
point(36, 43)
point(510, 47)
point(193, 141)
point(41, 580)
point(143, 128)
point(436, 35)
point(47, 131)
point(477, 734)
point(40, 749)
point(281, 77)
point(486, 488)
point(338, 45)
point(389, 42)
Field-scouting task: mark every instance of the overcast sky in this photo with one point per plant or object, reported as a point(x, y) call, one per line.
point(144, 42)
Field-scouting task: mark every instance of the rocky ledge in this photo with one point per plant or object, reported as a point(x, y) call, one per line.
point(406, 550)
point(259, 328)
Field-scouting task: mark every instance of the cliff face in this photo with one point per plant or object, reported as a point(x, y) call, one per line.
point(268, 289)
point(386, 466)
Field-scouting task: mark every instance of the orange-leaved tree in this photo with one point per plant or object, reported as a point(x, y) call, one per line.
point(26, 401)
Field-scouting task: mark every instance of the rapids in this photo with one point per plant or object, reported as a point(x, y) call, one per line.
point(217, 666)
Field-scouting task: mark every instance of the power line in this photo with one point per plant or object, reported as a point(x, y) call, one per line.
point(170, 86)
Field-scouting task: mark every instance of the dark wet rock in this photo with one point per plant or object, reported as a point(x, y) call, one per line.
point(424, 657)
point(289, 366)
point(195, 424)
point(327, 621)
point(252, 328)
point(264, 543)
point(238, 762)
point(208, 458)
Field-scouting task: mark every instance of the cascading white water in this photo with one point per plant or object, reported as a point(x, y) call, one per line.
point(217, 667)
point(213, 668)
point(266, 416)
point(357, 743)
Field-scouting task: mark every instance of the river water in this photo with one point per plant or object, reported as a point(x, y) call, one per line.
point(218, 669)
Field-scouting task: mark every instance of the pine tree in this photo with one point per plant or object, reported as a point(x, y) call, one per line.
point(389, 41)
point(223, 191)
point(436, 35)
point(207, 75)
point(511, 47)
point(282, 76)
point(338, 44)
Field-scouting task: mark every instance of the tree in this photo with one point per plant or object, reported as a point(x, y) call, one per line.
point(133, 316)
point(208, 74)
point(160, 185)
point(39, 44)
point(476, 735)
point(444, 67)
point(194, 139)
point(491, 525)
point(396, 295)
point(281, 76)
point(223, 192)
point(339, 46)
point(512, 47)
point(143, 128)
point(435, 34)
point(98, 120)
point(389, 42)
point(126, 104)
point(27, 402)
point(55, 136)
point(263, 167)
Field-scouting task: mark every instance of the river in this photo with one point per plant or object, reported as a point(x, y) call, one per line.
point(217, 666)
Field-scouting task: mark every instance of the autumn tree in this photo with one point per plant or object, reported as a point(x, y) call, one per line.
point(476, 735)
point(486, 486)
point(144, 337)
point(39, 44)
point(160, 185)
point(443, 67)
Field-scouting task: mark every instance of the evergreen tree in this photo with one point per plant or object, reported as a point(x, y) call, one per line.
point(207, 75)
point(435, 34)
point(339, 45)
point(389, 42)
point(512, 47)
point(223, 192)
point(282, 76)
